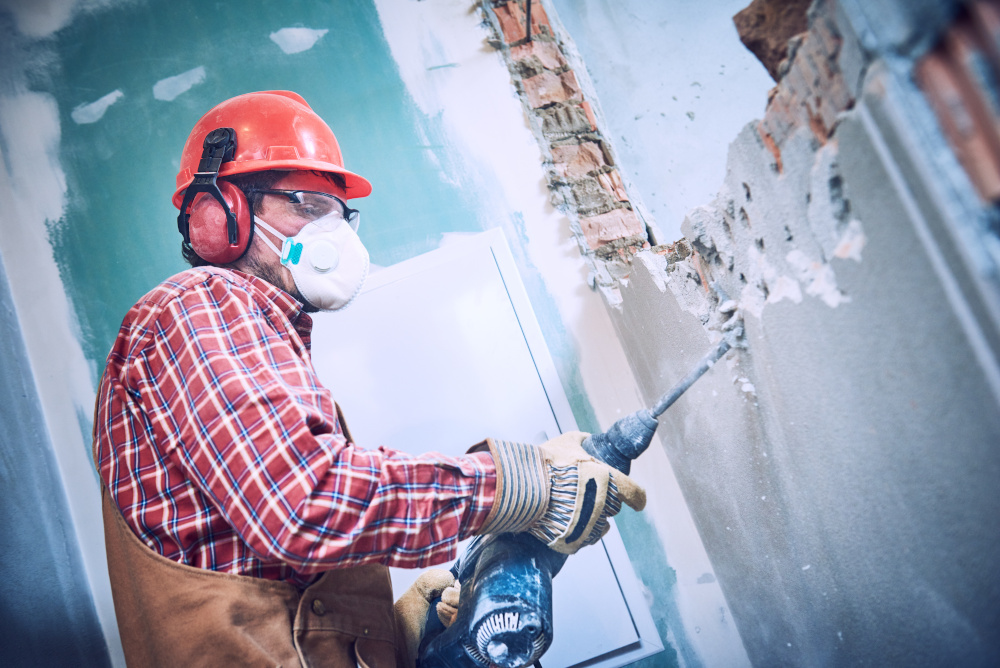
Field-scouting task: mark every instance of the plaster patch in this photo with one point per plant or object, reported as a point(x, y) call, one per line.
point(784, 288)
point(297, 40)
point(852, 242)
point(31, 135)
point(819, 278)
point(40, 18)
point(33, 189)
point(765, 285)
point(94, 111)
point(168, 89)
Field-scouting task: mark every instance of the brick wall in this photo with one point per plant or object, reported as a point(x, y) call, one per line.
point(582, 174)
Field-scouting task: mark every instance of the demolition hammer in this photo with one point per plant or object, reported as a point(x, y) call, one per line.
point(504, 615)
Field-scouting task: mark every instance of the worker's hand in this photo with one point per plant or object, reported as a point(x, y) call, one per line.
point(411, 609)
point(559, 493)
point(447, 607)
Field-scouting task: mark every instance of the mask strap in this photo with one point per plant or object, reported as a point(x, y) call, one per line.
point(264, 236)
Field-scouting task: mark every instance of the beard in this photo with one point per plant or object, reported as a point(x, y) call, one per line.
point(252, 263)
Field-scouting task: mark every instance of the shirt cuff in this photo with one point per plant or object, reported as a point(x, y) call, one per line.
point(484, 492)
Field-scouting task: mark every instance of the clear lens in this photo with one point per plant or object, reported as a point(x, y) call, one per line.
point(310, 206)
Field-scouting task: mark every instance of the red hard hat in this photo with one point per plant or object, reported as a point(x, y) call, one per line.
point(274, 130)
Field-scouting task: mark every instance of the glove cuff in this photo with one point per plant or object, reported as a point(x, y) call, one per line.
point(569, 517)
point(522, 491)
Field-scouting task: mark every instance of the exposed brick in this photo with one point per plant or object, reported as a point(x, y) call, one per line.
point(512, 18)
point(937, 76)
point(511, 21)
point(546, 88)
point(539, 19)
point(547, 53)
point(528, 67)
point(612, 182)
point(562, 120)
point(589, 197)
point(765, 26)
point(607, 227)
point(575, 160)
point(590, 115)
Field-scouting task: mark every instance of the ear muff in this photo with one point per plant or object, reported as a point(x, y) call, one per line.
point(216, 209)
point(208, 225)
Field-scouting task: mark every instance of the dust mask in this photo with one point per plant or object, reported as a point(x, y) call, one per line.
point(329, 264)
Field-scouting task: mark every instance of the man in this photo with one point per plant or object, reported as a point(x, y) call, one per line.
point(243, 525)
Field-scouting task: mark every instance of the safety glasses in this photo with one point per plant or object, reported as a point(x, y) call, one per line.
point(311, 205)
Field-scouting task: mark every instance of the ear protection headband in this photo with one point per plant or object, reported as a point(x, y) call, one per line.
point(215, 218)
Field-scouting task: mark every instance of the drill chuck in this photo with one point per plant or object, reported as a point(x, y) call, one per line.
point(624, 441)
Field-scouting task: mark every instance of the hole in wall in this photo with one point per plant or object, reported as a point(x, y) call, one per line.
point(788, 234)
point(746, 191)
point(743, 279)
point(760, 244)
point(726, 227)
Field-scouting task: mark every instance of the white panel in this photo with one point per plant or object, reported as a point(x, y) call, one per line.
point(438, 353)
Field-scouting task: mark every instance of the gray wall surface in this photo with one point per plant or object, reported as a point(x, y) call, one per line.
point(47, 615)
point(842, 468)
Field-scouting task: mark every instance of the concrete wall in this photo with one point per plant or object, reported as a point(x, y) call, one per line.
point(841, 467)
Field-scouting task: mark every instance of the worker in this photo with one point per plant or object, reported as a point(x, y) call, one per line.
point(243, 525)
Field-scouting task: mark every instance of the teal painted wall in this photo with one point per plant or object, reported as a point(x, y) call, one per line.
point(118, 238)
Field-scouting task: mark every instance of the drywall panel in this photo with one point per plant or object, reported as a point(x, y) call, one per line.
point(47, 614)
point(443, 350)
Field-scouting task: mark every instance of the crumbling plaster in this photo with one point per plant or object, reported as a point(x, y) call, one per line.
point(841, 466)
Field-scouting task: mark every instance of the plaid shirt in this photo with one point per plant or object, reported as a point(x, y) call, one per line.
point(224, 452)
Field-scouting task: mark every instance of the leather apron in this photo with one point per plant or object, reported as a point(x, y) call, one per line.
point(172, 614)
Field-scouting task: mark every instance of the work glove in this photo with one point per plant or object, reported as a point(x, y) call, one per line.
point(557, 492)
point(411, 610)
point(447, 607)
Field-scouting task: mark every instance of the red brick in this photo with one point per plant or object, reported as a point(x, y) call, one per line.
point(590, 115)
point(538, 18)
point(612, 182)
point(512, 19)
point(546, 88)
point(607, 227)
point(548, 53)
point(575, 160)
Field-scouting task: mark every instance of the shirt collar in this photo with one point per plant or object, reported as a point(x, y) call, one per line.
point(288, 305)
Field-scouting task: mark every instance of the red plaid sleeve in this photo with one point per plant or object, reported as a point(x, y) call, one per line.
point(227, 398)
